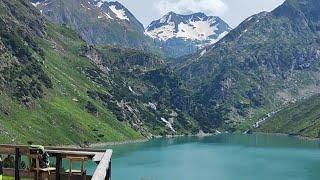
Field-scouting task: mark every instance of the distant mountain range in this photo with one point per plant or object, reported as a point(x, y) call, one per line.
point(103, 22)
point(180, 35)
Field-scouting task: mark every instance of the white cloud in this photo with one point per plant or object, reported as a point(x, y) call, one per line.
point(210, 7)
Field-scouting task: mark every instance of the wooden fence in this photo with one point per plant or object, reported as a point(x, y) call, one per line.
point(101, 157)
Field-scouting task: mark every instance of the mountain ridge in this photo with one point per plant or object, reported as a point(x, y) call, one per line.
point(98, 22)
point(172, 17)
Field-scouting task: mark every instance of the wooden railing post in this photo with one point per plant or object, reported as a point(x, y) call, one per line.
point(17, 164)
point(58, 166)
point(1, 168)
point(109, 172)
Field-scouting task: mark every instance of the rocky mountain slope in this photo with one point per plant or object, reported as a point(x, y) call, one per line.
point(269, 60)
point(142, 91)
point(97, 21)
point(180, 35)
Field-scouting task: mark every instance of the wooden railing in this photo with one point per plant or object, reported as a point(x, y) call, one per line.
point(100, 157)
point(103, 170)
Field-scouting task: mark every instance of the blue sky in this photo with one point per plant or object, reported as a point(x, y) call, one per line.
point(232, 11)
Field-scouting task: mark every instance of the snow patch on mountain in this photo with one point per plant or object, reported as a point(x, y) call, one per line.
point(36, 4)
point(104, 15)
point(196, 30)
point(163, 33)
point(120, 13)
point(99, 3)
point(220, 37)
point(115, 8)
point(168, 124)
point(152, 105)
point(203, 52)
point(131, 90)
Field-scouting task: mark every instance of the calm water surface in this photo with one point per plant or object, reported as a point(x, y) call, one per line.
point(223, 157)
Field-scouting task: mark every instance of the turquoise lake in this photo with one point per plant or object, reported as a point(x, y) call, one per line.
point(223, 157)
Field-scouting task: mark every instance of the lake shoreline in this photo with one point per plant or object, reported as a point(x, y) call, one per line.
point(288, 135)
point(97, 145)
point(106, 144)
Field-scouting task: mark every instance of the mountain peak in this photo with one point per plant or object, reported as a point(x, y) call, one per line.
point(199, 14)
point(170, 13)
point(178, 18)
point(294, 9)
point(197, 26)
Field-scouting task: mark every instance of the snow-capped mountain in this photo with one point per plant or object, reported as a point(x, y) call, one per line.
point(97, 21)
point(189, 27)
point(187, 33)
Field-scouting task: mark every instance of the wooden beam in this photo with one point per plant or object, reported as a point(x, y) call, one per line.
point(17, 164)
point(103, 167)
point(25, 150)
point(71, 153)
point(6, 149)
point(75, 149)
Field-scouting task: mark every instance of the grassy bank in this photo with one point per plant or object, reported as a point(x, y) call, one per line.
point(299, 119)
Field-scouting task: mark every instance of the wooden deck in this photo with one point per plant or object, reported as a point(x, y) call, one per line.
point(100, 157)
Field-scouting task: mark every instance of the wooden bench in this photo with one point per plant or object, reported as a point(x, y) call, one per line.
point(80, 172)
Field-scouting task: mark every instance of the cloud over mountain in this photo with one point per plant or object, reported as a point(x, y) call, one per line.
point(210, 7)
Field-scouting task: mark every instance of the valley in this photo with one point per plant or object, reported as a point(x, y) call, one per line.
point(86, 72)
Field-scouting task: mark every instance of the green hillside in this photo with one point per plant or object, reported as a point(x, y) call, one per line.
point(43, 93)
point(56, 89)
point(302, 118)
